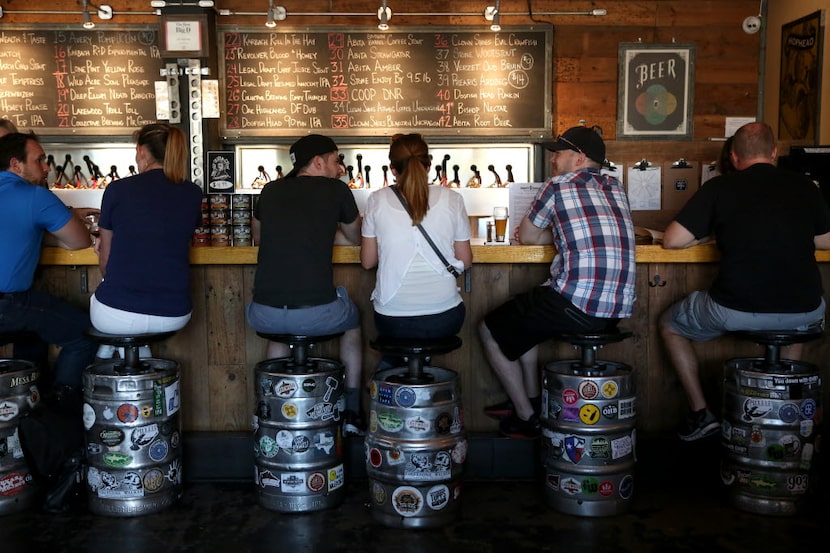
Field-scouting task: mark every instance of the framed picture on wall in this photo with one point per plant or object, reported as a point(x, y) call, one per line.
point(655, 91)
point(799, 99)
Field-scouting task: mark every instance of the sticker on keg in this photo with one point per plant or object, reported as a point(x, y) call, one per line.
point(143, 435)
point(12, 484)
point(418, 425)
point(459, 452)
point(107, 413)
point(316, 482)
point(627, 407)
point(552, 480)
point(395, 457)
point(284, 439)
point(610, 411)
point(293, 482)
point(443, 423)
point(788, 413)
point(153, 480)
point(322, 411)
point(300, 444)
point(111, 436)
point(268, 479)
point(268, 447)
point(385, 394)
point(588, 389)
point(570, 486)
point(806, 428)
point(94, 449)
point(289, 410)
point(324, 441)
point(390, 422)
point(378, 493)
point(375, 457)
point(622, 446)
point(116, 459)
point(8, 410)
point(336, 477)
point(266, 387)
point(88, 416)
point(569, 396)
point(405, 396)
point(570, 413)
point(590, 485)
point(174, 439)
point(127, 413)
point(806, 456)
point(606, 488)
point(609, 389)
point(373, 390)
point(574, 448)
point(309, 385)
point(755, 408)
point(626, 486)
point(285, 388)
point(146, 411)
point(554, 410)
point(457, 420)
point(808, 408)
point(589, 414)
point(756, 437)
point(407, 501)
point(373, 421)
point(798, 483)
point(438, 497)
point(158, 450)
point(600, 448)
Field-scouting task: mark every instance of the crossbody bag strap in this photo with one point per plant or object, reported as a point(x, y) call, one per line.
point(453, 271)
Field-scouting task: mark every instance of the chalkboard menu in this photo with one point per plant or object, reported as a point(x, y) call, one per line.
point(73, 81)
point(437, 81)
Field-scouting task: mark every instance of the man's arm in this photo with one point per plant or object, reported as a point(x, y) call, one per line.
point(531, 234)
point(348, 234)
point(678, 237)
point(72, 236)
point(822, 241)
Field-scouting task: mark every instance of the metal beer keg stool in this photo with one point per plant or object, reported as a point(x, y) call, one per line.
point(771, 423)
point(18, 394)
point(297, 436)
point(133, 429)
point(588, 430)
point(415, 445)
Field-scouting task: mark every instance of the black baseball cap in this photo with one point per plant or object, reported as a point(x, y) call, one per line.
point(579, 139)
point(304, 150)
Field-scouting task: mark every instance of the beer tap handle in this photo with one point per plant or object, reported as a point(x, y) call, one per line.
point(509, 174)
point(385, 169)
point(367, 169)
point(455, 179)
point(492, 169)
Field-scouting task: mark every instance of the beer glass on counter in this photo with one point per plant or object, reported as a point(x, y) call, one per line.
point(500, 221)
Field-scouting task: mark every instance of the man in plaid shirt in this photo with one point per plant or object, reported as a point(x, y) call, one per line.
point(585, 214)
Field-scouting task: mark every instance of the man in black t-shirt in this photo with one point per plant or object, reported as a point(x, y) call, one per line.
point(297, 221)
point(767, 223)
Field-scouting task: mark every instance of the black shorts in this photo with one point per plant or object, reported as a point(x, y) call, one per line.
point(538, 315)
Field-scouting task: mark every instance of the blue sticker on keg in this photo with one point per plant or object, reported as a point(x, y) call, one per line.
point(808, 408)
point(158, 450)
point(788, 413)
point(626, 486)
point(405, 396)
point(385, 393)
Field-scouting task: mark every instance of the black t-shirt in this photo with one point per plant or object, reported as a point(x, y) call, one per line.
point(764, 220)
point(298, 219)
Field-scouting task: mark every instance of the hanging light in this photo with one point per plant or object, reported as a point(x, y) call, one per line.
point(275, 13)
point(491, 13)
point(88, 24)
point(384, 15)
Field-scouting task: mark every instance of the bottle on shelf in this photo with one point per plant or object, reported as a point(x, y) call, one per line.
point(509, 174)
point(497, 183)
point(475, 180)
point(455, 181)
point(385, 169)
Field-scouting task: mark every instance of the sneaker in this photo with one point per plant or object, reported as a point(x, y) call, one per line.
point(514, 427)
point(353, 424)
point(699, 424)
point(501, 410)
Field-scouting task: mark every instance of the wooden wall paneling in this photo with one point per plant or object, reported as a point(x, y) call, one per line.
point(189, 348)
point(254, 346)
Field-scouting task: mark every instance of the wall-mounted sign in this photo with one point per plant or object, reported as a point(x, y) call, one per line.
point(184, 36)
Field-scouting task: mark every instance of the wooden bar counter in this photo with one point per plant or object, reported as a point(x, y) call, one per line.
point(218, 351)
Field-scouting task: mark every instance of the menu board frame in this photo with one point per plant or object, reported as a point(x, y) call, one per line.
point(542, 70)
point(117, 132)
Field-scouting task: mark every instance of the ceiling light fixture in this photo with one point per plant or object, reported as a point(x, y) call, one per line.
point(492, 14)
point(88, 24)
point(384, 15)
point(275, 13)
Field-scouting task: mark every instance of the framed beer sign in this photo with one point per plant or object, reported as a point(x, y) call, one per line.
point(655, 91)
point(184, 36)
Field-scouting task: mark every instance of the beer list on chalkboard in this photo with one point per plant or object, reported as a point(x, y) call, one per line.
point(438, 81)
point(62, 81)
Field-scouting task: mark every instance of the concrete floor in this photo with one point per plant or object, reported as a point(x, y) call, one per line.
point(678, 506)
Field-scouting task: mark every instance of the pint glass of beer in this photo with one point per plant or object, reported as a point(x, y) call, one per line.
point(500, 220)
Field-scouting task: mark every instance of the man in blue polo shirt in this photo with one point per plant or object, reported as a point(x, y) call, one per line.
point(31, 215)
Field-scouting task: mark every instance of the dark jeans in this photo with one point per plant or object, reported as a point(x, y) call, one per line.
point(54, 321)
point(439, 325)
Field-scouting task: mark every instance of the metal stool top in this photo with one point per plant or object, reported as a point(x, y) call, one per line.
point(773, 340)
point(299, 343)
point(590, 342)
point(416, 351)
point(131, 344)
point(9, 337)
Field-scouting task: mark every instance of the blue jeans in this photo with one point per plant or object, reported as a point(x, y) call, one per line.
point(55, 322)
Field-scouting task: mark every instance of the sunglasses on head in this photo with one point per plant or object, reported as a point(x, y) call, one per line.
point(569, 143)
